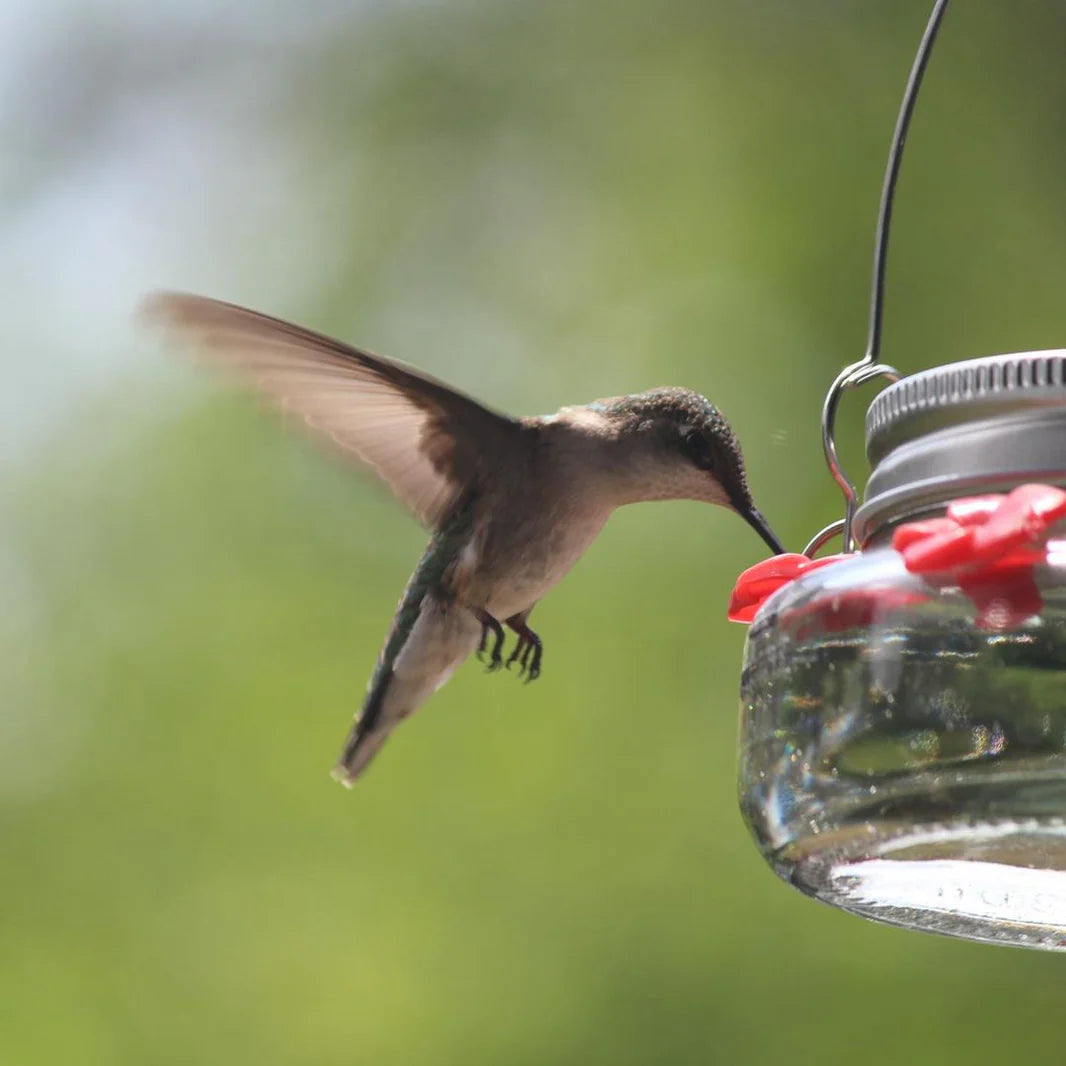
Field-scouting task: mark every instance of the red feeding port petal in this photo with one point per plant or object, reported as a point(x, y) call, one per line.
point(987, 546)
point(938, 552)
point(1022, 519)
point(971, 511)
point(1047, 502)
point(762, 580)
point(913, 532)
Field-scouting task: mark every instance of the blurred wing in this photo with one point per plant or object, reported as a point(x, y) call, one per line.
point(425, 440)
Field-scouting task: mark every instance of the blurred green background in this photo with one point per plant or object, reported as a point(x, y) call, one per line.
point(542, 202)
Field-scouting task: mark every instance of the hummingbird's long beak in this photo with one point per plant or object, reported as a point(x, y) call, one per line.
point(753, 516)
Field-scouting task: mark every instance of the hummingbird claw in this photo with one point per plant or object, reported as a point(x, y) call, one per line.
point(515, 655)
point(527, 652)
point(534, 666)
point(489, 624)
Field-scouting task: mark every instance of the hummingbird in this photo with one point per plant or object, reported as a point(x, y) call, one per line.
point(511, 503)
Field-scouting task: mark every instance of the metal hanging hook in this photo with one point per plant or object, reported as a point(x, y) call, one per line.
point(850, 377)
point(868, 368)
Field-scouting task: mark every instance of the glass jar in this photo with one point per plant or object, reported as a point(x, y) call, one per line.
point(903, 748)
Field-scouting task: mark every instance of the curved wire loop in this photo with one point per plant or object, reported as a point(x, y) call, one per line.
point(868, 368)
point(823, 537)
point(851, 377)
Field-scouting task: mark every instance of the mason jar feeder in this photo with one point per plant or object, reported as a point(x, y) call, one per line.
point(903, 705)
point(903, 733)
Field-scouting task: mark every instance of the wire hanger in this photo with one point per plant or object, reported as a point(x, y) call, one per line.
point(869, 366)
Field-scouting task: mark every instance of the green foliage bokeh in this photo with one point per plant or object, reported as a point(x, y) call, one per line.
point(542, 202)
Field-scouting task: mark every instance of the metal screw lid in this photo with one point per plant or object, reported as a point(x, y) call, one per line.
point(984, 425)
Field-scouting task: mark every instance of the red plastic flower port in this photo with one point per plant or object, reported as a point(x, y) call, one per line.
point(986, 546)
point(760, 581)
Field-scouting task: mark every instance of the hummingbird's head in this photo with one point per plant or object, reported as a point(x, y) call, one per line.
point(677, 445)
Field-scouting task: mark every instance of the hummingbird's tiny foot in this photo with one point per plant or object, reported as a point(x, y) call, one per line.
point(496, 659)
point(488, 623)
point(516, 654)
point(534, 666)
point(527, 651)
point(523, 659)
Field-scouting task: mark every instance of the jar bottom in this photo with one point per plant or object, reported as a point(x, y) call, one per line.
point(1000, 880)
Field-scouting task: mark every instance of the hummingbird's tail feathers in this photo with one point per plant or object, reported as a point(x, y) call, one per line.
point(348, 771)
point(366, 738)
point(443, 635)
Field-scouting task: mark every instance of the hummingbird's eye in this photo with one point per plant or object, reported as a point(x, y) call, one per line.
point(698, 448)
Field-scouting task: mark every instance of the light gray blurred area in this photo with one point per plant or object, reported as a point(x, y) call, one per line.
point(540, 202)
